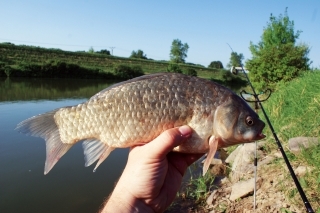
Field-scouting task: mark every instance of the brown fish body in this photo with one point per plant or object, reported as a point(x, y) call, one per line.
point(137, 111)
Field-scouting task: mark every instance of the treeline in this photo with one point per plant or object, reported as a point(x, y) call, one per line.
point(58, 69)
point(17, 56)
point(35, 62)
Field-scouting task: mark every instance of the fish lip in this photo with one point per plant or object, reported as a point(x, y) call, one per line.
point(260, 136)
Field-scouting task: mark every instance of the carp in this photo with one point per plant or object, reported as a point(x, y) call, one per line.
point(136, 111)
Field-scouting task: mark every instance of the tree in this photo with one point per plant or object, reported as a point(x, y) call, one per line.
point(277, 57)
point(138, 54)
point(235, 60)
point(178, 52)
point(106, 52)
point(216, 65)
point(91, 50)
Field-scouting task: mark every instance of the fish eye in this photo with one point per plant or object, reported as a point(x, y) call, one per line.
point(249, 121)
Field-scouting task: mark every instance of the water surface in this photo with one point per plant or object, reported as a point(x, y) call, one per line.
point(69, 186)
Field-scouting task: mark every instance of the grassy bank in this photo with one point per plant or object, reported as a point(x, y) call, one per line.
point(18, 61)
point(293, 109)
point(16, 57)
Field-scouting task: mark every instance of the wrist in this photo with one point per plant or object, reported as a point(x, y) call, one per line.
point(122, 201)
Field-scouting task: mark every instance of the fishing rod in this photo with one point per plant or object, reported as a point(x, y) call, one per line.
point(258, 103)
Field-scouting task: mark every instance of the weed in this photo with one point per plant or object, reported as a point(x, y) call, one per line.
point(200, 186)
point(285, 210)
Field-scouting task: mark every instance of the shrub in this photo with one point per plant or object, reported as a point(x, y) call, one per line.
point(173, 67)
point(127, 72)
point(191, 72)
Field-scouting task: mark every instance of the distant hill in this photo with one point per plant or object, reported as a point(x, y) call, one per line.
point(15, 55)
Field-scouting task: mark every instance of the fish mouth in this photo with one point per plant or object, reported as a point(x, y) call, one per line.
point(260, 136)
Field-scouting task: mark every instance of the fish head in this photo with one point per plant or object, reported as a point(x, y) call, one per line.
point(235, 122)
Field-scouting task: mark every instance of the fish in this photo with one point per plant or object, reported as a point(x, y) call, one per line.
point(136, 111)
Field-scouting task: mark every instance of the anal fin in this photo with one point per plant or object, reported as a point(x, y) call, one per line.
point(93, 150)
point(104, 155)
point(213, 145)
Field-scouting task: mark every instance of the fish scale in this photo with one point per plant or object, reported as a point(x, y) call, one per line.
point(135, 112)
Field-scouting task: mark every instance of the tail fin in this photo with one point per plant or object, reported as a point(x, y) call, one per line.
point(44, 126)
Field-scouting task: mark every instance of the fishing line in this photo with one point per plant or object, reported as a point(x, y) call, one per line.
point(258, 103)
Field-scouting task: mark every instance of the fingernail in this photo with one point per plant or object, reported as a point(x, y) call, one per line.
point(185, 130)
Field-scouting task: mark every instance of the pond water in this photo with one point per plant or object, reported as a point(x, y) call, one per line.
point(69, 186)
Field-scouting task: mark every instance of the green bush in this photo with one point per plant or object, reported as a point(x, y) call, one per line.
point(173, 67)
point(127, 72)
point(277, 57)
point(191, 72)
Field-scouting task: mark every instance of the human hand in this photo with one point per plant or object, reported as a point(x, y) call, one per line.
point(153, 174)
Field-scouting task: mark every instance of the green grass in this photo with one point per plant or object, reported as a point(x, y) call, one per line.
point(294, 110)
point(14, 55)
point(200, 186)
point(294, 107)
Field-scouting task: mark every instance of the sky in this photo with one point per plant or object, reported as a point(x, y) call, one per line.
point(207, 26)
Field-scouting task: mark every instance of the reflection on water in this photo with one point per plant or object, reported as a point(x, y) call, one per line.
point(49, 89)
point(69, 187)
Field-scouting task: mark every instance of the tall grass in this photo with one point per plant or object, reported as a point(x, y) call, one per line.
point(294, 107)
point(294, 110)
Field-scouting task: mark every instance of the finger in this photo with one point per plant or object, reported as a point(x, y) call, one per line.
point(167, 140)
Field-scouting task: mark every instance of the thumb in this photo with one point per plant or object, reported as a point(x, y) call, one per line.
point(166, 141)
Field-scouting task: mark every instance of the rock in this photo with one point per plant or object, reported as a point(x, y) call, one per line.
point(233, 155)
point(278, 154)
point(265, 160)
point(243, 188)
point(295, 144)
point(242, 163)
point(301, 170)
point(210, 198)
point(216, 161)
point(224, 180)
point(248, 152)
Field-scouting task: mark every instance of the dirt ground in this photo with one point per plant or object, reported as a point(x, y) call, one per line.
point(273, 187)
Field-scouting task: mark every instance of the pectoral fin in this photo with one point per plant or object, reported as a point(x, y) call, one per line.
point(213, 145)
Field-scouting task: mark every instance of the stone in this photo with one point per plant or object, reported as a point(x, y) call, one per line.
point(224, 180)
point(301, 170)
point(265, 160)
point(243, 188)
point(216, 161)
point(248, 152)
point(210, 198)
point(295, 144)
point(278, 154)
point(233, 155)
